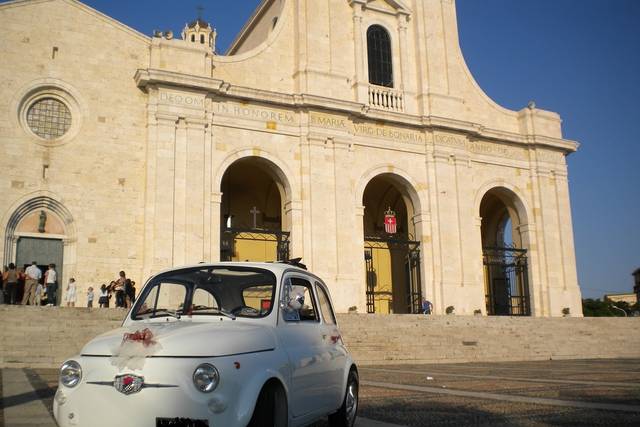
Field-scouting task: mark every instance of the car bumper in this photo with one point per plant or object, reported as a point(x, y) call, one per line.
point(96, 403)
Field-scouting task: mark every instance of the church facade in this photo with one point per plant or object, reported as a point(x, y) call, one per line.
point(347, 132)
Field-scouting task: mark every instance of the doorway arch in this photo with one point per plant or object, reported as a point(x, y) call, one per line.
point(505, 254)
point(40, 228)
point(391, 245)
point(254, 225)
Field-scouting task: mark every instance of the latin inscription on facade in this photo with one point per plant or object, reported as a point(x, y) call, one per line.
point(478, 147)
point(549, 156)
point(364, 129)
point(181, 99)
point(256, 113)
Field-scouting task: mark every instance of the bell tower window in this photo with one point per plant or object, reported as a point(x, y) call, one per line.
point(379, 55)
point(202, 38)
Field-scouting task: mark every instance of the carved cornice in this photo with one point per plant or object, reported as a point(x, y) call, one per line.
point(219, 88)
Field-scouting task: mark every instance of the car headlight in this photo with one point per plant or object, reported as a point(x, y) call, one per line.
point(70, 373)
point(206, 378)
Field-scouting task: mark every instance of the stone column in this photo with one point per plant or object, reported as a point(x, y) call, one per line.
point(361, 83)
point(162, 193)
point(360, 299)
point(216, 202)
point(405, 76)
point(294, 224)
point(196, 194)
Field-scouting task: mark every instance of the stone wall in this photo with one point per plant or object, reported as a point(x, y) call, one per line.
point(44, 337)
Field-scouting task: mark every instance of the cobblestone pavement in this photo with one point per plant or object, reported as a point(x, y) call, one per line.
point(553, 393)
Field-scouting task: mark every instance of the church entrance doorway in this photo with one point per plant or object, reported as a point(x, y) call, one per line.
point(251, 215)
point(43, 252)
point(505, 260)
point(391, 251)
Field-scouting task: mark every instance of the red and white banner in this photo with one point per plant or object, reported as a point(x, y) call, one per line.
point(390, 224)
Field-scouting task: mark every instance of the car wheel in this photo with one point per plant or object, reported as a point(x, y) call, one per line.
point(346, 415)
point(271, 407)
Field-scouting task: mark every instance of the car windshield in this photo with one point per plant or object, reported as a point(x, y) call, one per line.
point(212, 291)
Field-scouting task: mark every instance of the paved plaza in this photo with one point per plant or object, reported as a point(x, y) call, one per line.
point(567, 393)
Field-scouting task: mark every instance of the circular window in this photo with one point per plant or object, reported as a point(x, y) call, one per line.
point(49, 118)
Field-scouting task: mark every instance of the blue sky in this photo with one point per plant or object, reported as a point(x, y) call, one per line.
point(578, 58)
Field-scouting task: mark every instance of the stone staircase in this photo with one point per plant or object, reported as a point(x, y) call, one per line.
point(379, 339)
point(42, 337)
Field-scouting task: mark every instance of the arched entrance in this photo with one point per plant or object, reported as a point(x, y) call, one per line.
point(38, 230)
point(391, 247)
point(504, 249)
point(253, 226)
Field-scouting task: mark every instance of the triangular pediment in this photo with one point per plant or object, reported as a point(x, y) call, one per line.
point(386, 6)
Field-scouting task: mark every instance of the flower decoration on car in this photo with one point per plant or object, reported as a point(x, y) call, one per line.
point(134, 348)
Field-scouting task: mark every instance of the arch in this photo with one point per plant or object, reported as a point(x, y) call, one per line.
point(272, 163)
point(379, 56)
point(504, 240)
point(392, 253)
point(406, 184)
point(27, 205)
point(510, 193)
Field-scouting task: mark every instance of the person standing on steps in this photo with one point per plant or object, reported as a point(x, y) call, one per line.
point(70, 294)
point(120, 286)
point(52, 284)
point(33, 276)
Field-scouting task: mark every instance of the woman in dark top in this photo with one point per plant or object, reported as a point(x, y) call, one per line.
point(11, 278)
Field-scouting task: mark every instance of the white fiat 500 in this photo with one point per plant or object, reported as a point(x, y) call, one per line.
point(228, 344)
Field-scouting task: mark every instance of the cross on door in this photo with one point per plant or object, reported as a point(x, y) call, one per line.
point(254, 212)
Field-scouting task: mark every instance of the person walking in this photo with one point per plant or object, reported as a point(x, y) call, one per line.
point(51, 280)
point(70, 294)
point(33, 276)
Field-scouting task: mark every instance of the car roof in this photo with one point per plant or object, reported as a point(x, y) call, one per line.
point(276, 267)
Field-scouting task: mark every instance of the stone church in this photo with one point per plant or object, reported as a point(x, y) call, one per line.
point(347, 132)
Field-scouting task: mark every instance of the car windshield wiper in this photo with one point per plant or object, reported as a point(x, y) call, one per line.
point(162, 311)
point(214, 310)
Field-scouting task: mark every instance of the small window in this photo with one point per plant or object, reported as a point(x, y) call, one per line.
point(325, 305)
point(202, 38)
point(193, 37)
point(274, 22)
point(379, 55)
point(298, 301)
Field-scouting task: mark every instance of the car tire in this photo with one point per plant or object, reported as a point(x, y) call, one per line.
point(348, 412)
point(271, 408)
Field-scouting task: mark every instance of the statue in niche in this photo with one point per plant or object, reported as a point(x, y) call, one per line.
point(43, 221)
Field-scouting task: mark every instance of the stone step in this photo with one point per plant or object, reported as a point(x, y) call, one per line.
point(45, 336)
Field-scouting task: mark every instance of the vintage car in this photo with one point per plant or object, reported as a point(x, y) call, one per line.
point(226, 344)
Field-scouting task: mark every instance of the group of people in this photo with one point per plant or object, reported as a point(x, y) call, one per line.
point(37, 288)
point(31, 286)
point(123, 288)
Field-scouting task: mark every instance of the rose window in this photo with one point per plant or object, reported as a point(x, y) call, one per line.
point(49, 118)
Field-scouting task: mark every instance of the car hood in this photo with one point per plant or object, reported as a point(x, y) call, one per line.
point(185, 339)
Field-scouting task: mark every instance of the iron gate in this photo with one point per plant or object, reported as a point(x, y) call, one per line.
point(507, 281)
point(228, 237)
point(413, 284)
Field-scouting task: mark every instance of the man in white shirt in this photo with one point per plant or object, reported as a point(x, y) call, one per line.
point(33, 276)
point(52, 284)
